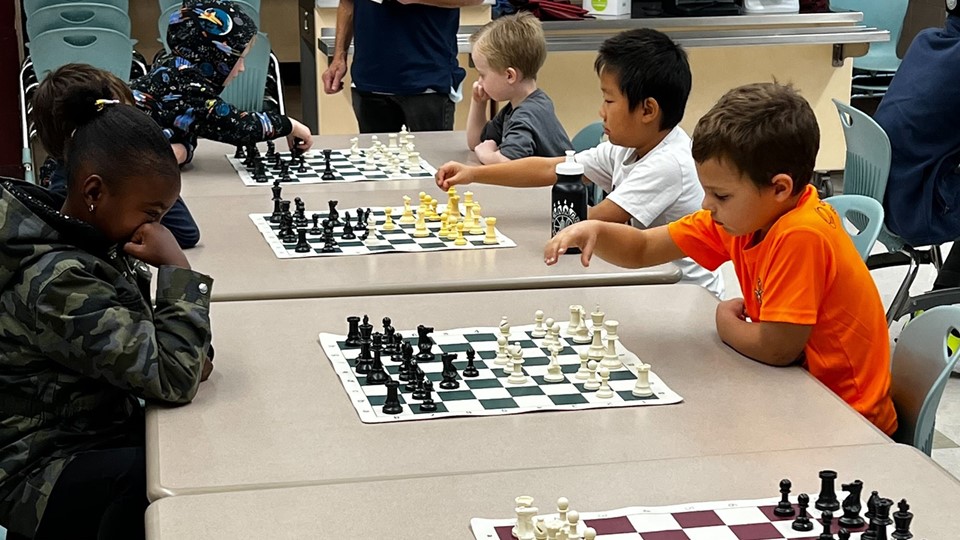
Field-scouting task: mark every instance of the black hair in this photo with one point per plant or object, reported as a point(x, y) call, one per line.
point(115, 140)
point(649, 65)
point(955, 10)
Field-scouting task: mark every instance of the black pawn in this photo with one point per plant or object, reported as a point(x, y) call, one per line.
point(851, 519)
point(303, 164)
point(843, 534)
point(365, 360)
point(407, 355)
point(315, 229)
point(392, 403)
point(828, 494)
point(449, 373)
point(334, 215)
point(420, 391)
point(784, 508)
point(271, 149)
point(277, 214)
point(802, 523)
point(353, 333)
point(347, 233)
point(827, 518)
point(259, 172)
point(285, 171)
point(470, 370)
point(300, 217)
point(377, 374)
point(327, 168)
point(329, 245)
point(302, 245)
point(239, 154)
point(901, 519)
point(427, 404)
point(413, 376)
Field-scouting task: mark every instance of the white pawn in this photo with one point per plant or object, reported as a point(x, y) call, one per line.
point(491, 237)
point(388, 223)
point(460, 241)
point(563, 504)
point(589, 534)
point(478, 221)
point(555, 336)
point(584, 372)
point(574, 320)
point(547, 331)
point(642, 388)
point(539, 330)
point(604, 392)
point(501, 359)
point(592, 382)
point(573, 525)
point(516, 358)
point(554, 371)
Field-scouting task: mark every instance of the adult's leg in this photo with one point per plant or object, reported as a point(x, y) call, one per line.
point(376, 113)
point(101, 495)
point(427, 112)
point(949, 274)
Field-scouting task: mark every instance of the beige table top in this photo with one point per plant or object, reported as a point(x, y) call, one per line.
point(210, 174)
point(274, 413)
point(440, 508)
point(244, 267)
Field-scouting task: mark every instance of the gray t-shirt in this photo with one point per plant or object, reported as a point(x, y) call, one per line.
point(530, 129)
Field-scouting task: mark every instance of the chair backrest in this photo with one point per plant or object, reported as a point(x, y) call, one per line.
point(921, 367)
point(31, 6)
point(246, 91)
point(860, 209)
point(167, 4)
point(78, 15)
point(588, 137)
point(99, 47)
point(882, 14)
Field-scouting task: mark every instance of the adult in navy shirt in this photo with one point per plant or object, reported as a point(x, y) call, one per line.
point(921, 114)
point(405, 69)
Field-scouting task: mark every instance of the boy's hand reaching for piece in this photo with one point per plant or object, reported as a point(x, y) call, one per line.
point(153, 244)
point(581, 235)
point(452, 174)
point(301, 132)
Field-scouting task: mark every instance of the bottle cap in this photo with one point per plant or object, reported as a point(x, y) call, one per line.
point(570, 167)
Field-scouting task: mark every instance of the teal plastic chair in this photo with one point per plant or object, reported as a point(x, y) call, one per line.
point(167, 4)
point(78, 15)
point(588, 137)
point(247, 90)
point(873, 71)
point(31, 6)
point(921, 367)
point(864, 210)
point(99, 47)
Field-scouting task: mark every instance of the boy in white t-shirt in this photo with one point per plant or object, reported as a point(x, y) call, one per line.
point(647, 166)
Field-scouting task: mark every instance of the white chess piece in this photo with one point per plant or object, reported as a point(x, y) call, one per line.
point(501, 359)
point(554, 371)
point(592, 382)
point(642, 388)
point(563, 504)
point(478, 221)
point(573, 525)
point(582, 334)
point(539, 330)
point(516, 357)
point(555, 335)
point(491, 236)
point(451, 227)
point(392, 144)
point(372, 239)
point(583, 373)
point(604, 392)
point(547, 335)
point(611, 358)
point(504, 327)
point(539, 529)
point(407, 216)
point(589, 534)
point(420, 230)
point(553, 529)
point(597, 317)
point(388, 224)
point(460, 241)
point(444, 229)
point(574, 320)
point(524, 528)
point(354, 148)
point(596, 350)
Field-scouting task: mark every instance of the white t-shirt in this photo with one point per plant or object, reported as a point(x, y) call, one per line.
point(656, 189)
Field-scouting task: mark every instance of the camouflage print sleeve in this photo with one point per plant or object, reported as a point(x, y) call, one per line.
point(105, 331)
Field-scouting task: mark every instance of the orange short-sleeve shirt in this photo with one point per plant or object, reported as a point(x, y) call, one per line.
point(807, 271)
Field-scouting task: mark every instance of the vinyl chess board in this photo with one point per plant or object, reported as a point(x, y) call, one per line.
point(345, 169)
point(400, 239)
point(723, 520)
point(489, 393)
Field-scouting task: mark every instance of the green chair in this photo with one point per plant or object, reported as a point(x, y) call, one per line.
point(864, 210)
point(31, 6)
point(167, 4)
point(247, 90)
point(99, 47)
point(78, 15)
point(921, 367)
point(588, 137)
point(873, 71)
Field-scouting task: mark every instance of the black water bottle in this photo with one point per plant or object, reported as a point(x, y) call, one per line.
point(569, 201)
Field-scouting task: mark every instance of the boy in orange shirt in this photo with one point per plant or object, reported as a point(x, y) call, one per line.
point(810, 297)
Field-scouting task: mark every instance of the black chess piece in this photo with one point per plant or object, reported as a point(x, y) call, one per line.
point(377, 338)
point(828, 495)
point(285, 171)
point(424, 343)
point(366, 329)
point(315, 218)
point(449, 373)
point(471, 370)
point(327, 167)
point(377, 374)
point(406, 353)
point(413, 374)
point(286, 233)
point(884, 506)
point(843, 534)
point(334, 215)
point(347, 233)
point(277, 214)
point(302, 245)
point(329, 245)
point(365, 360)
point(389, 344)
point(392, 403)
point(872, 505)
point(299, 217)
point(353, 333)
point(259, 172)
point(420, 389)
point(901, 519)
point(239, 154)
point(276, 188)
point(271, 149)
point(302, 160)
point(851, 519)
point(251, 159)
point(275, 160)
point(784, 508)
point(327, 236)
point(803, 522)
point(428, 404)
point(827, 518)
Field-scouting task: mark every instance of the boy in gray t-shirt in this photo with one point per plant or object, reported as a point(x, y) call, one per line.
point(508, 52)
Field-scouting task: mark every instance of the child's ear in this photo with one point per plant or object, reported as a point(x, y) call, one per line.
point(650, 110)
point(512, 75)
point(782, 185)
point(92, 189)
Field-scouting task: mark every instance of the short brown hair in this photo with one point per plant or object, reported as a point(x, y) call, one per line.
point(762, 129)
point(513, 41)
point(53, 125)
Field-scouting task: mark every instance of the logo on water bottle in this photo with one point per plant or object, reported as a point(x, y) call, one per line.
point(563, 216)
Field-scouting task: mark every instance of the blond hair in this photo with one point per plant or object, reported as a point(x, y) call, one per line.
point(513, 41)
point(762, 129)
